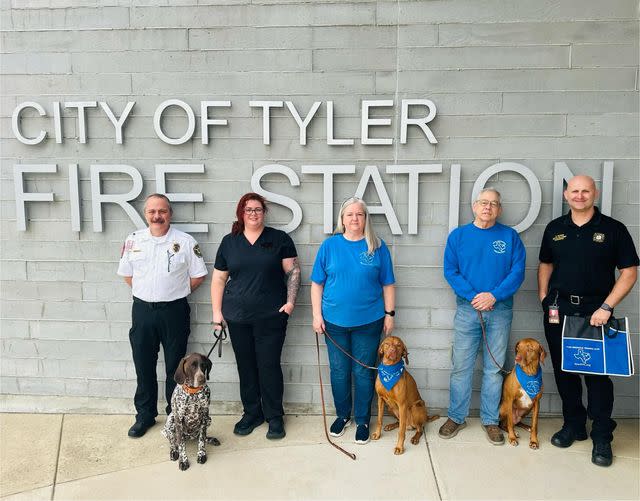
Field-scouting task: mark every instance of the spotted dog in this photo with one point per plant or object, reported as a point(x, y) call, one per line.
point(189, 417)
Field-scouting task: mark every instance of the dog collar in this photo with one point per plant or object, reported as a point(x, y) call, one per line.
point(530, 384)
point(390, 374)
point(191, 390)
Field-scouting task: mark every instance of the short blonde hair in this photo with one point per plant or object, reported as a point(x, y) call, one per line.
point(373, 242)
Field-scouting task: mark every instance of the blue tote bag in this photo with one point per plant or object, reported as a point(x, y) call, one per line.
point(602, 350)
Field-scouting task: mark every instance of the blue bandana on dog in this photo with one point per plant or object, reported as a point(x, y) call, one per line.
point(530, 384)
point(390, 374)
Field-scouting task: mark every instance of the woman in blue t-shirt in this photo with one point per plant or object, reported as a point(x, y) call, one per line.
point(353, 300)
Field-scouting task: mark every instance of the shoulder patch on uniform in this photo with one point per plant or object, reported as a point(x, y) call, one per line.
point(598, 237)
point(559, 236)
point(197, 251)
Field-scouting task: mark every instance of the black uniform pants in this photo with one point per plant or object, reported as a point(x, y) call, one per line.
point(155, 324)
point(258, 346)
point(599, 388)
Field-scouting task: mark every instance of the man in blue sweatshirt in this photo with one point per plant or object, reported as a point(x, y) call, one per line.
point(484, 264)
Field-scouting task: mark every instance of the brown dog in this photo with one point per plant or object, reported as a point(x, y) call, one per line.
point(516, 402)
point(403, 399)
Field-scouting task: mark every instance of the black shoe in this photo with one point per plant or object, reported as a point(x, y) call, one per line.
point(338, 426)
point(276, 428)
point(566, 436)
point(139, 428)
point(247, 424)
point(601, 454)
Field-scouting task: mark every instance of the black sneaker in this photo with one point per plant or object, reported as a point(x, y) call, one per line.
point(338, 426)
point(566, 436)
point(362, 434)
point(139, 428)
point(276, 428)
point(602, 455)
point(247, 424)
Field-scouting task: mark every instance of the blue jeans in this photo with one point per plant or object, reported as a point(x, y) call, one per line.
point(467, 341)
point(361, 342)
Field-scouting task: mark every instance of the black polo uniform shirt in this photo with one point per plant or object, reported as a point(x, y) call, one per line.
point(257, 283)
point(585, 257)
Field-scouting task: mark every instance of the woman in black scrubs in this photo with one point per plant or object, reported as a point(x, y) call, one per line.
point(255, 282)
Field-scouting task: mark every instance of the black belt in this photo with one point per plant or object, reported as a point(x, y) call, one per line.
point(159, 304)
point(577, 300)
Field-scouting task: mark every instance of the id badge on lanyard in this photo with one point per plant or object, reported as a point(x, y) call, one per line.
point(554, 312)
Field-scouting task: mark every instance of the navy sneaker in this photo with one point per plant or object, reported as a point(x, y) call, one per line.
point(362, 434)
point(338, 426)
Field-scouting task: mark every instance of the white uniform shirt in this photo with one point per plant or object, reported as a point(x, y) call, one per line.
point(161, 267)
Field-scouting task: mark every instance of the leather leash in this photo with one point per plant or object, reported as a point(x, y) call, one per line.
point(324, 411)
point(220, 336)
point(484, 335)
point(347, 353)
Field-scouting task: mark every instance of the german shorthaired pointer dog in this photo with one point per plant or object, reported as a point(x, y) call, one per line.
point(189, 417)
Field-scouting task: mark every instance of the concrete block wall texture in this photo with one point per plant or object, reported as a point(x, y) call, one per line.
point(527, 82)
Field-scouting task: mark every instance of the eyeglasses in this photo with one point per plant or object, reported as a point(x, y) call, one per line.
point(485, 203)
point(257, 210)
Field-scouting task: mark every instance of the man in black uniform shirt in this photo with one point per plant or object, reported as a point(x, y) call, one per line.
point(578, 257)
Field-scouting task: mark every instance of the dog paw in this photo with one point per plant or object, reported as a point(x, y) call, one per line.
point(398, 450)
point(173, 455)
point(390, 427)
point(184, 465)
point(513, 441)
point(375, 435)
point(415, 440)
point(202, 458)
point(213, 441)
point(533, 445)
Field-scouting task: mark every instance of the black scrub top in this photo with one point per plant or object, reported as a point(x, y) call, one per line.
point(257, 285)
point(585, 257)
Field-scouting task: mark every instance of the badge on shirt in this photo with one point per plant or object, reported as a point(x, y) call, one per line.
point(175, 247)
point(598, 237)
point(196, 251)
point(559, 236)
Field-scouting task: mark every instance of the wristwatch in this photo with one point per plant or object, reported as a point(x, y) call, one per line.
point(606, 307)
point(391, 313)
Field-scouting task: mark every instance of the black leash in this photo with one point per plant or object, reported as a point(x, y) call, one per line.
point(220, 335)
point(484, 335)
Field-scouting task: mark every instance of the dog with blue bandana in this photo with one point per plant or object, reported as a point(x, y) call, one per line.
point(398, 390)
point(522, 390)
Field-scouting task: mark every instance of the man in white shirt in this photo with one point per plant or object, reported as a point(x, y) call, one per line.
point(162, 266)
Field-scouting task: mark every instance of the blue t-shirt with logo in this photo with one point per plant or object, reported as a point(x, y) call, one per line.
point(352, 280)
point(484, 260)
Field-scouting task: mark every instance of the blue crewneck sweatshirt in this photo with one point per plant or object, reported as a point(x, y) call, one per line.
point(484, 260)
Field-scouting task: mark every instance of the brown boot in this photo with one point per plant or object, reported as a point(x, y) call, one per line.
point(494, 434)
point(450, 428)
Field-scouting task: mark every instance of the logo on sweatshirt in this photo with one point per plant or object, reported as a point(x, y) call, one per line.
point(499, 247)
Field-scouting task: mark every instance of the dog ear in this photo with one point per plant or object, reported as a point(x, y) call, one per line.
point(180, 376)
point(543, 354)
point(405, 355)
point(381, 349)
point(516, 349)
point(209, 365)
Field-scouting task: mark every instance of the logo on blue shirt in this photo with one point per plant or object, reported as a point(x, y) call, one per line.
point(499, 246)
point(366, 258)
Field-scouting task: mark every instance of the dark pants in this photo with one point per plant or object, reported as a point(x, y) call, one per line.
point(154, 324)
point(257, 346)
point(599, 388)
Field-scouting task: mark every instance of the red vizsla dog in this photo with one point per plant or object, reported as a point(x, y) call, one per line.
point(522, 390)
point(403, 399)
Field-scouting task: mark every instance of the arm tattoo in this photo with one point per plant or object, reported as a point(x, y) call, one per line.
point(293, 282)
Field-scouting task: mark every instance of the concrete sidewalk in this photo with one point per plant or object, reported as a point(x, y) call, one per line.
point(55, 456)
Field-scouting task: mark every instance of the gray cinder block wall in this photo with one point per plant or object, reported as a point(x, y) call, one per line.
point(533, 83)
